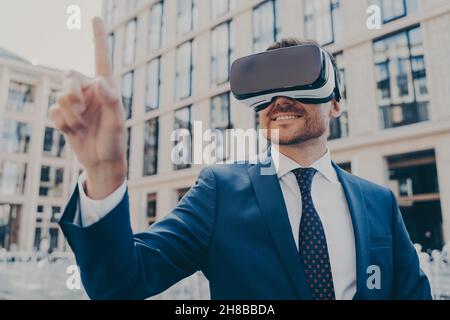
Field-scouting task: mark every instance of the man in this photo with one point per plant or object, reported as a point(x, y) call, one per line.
point(310, 231)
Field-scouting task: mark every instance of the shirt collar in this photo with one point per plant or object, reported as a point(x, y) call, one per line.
point(284, 165)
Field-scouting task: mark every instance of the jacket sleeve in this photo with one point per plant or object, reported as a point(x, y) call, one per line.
point(410, 283)
point(115, 264)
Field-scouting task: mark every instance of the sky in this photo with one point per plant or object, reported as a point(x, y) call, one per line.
point(37, 31)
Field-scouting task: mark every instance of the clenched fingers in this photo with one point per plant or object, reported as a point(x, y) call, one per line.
point(66, 116)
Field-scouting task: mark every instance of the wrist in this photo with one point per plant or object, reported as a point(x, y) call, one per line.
point(104, 179)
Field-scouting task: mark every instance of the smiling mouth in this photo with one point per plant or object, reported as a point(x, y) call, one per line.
point(286, 117)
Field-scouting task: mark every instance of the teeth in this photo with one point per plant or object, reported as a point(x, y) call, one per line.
point(286, 118)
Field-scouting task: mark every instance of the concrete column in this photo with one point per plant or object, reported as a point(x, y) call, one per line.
point(437, 51)
point(370, 165)
point(28, 219)
point(164, 143)
point(166, 201)
point(361, 94)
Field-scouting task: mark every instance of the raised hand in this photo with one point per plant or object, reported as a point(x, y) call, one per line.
point(91, 116)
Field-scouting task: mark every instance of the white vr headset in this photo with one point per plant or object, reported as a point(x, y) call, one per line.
point(303, 72)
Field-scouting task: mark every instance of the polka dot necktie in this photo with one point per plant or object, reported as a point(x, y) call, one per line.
point(312, 241)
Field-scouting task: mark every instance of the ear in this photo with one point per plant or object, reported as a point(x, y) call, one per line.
point(336, 109)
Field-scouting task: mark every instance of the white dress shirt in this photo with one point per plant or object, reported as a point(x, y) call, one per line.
point(331, 205)
point(328, 198)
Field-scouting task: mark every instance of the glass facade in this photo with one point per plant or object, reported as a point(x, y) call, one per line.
point(155, 26)
point(394, 9)
point(220, 121)
point(127, 93)
point(323, 20)
point(183, 120)
point(111, 12)
point(151, 208)
point(51, 182)
point(54, 143)
point(12, 177)
point(52, 97)
point(153, 84)
point(413, 177)
point(187, 16)
point(402, 89)
point(20, 97)
point(221, 7)
point(339, 126)
point(111, 47)
point(266, 25)
point(221, 53)
point(151, 147)
point(10, 215)
point(47, 230)
point(14, 136)
point(129, 54)
point(184, 70)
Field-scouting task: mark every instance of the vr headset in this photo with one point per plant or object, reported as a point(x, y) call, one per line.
point(303, 72)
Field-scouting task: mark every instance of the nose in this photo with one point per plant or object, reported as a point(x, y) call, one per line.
point(282, 100)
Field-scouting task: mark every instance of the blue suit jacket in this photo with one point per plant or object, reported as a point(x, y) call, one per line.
point(233, 226)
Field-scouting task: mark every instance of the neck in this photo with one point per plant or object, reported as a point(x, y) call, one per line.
point(305, 153)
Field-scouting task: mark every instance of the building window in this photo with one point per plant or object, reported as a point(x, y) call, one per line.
point(14, 136)
point(323, 20)
point(20, 97)
point(402, 90)
point(181, 192)
point(46, 213)
point(111, 13)
point(257, 127)
point(47, 230)
point(153, 87)
point(220, 121)
point(52, 98)
point(394, 9)
point(221, 53)
point(221, 7)
point(128, 149)
point(151, 147)
point(54, 143)
point(187, 16)
point(266, 25)
point(151, 208)
point(133, 4)
point(339, 126)
point(183, 138)
point(51, 184)
point(155, 26)
point(12, 177)
point(10, 215)
point(413, 177)
point(129, 55)
point(127, 93)
point(184, 69)
point(221, 112)
point(347, 166)
point(111, 45)
point(46, 238)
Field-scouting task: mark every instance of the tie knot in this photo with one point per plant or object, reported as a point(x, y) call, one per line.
point(304, 178)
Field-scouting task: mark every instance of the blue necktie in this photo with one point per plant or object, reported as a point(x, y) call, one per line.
point(313, 248)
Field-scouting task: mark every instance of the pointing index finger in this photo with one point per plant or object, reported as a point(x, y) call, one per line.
point(102, 61)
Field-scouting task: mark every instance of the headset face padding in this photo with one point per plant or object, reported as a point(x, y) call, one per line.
point(303, 72)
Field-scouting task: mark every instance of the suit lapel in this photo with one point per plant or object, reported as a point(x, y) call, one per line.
point(271, 203)
point(357, 206)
